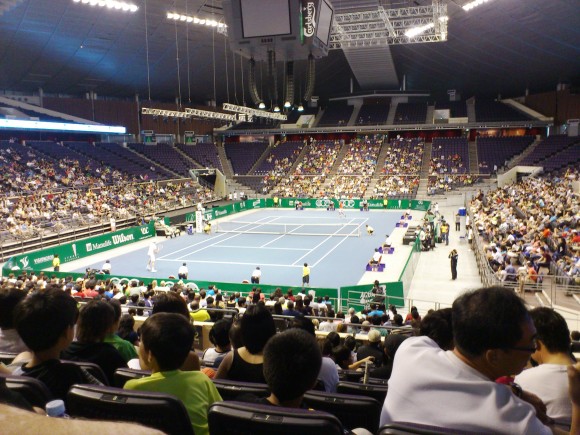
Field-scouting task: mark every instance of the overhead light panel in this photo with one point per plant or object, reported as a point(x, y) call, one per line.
point(416, 31)
point(110, 4)
point(194, 20)
point(473, 4)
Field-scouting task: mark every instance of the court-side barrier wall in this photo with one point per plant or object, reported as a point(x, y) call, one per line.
point(358, 296)
point(310, 203)
point(42, 259)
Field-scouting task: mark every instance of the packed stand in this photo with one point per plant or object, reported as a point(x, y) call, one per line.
point(437, 184)
point(530, 229)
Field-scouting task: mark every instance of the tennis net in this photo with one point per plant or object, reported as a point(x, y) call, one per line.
point(328, 229)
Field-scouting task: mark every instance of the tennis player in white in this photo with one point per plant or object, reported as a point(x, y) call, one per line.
point(153, 249)
point(341, 209)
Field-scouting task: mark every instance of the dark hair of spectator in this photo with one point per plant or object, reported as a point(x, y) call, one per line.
point(9, 298)
point(257, 328)
point(552, 330)
point(41, 318)
point(301, 322)
point(292, 351)
point(126, 326)
point(236, 334)
point(170, 303)
point(116, 308)
point(95, 320)
point(219, 334)
point(169, 337)
point(342, 356)
point(476, 331)
point(438, 326)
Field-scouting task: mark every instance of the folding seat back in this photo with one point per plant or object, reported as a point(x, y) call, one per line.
point(33, 390)
point(377, 392)
point(230, 390)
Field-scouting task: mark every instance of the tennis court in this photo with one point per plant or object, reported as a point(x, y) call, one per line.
point(279, 241)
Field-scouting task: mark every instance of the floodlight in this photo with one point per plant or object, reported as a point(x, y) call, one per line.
point(276, 108)
point(261, 105)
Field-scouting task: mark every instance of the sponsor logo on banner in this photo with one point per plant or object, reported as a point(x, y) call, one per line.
point(218, 213)
point(120, 238)
point(291, 203)
point(348, 203)
point(256, 204)
point(375, 205)
point(306, 204)
point(74, 248)
point(24, 262)
point(242, 205)
point(366, 297)
point(43, 259)
point(144, 230)
point(322, 203)
point(89, 247)
point(309, 17)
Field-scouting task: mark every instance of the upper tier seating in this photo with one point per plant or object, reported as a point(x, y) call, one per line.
point(373, 114)
point(449, 155)
point(549, 146)
point(121, 158)
point(280, 158)
point(495, 151)
point(166, 155)
point(336, 114)
point(243, 155)
point(410, 113)
point(495, 111)
point(205, 154)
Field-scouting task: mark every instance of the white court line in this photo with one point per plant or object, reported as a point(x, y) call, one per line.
point(310, 251)
point(223, 240)
point(231, 262)
point(260, 247)
point(336, 246)
point(206, 239)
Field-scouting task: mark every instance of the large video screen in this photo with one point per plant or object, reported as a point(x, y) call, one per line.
point(265, 18)
point(324, 22)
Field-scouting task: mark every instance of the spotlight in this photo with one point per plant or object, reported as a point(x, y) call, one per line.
point(301, 108)
point(261, 105)
point(287, 104)
point(276, 108)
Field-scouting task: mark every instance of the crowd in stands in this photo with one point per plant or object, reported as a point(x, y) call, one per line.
point(530, 229)
point(444, 183)
point(404, 157)
point(396, 185)
point(50, 340)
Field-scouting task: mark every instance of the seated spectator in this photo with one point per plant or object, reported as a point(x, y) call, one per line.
point(292, 351)
point(245, 363)
point(344, 360)
point(166, 340)
point(290, 311)
point(438, 327)
point(127, 330)
point(10, 341)
point(389, 348)
point(197, 314)
point(126, 349)
point(219, 336)
point(96, 321)
point(372, 348)
point(328, 370)
point(549, 380)
point(486, 347)
point(45, 321)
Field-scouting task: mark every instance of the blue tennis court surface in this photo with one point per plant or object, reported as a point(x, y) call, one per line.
point(336, 256)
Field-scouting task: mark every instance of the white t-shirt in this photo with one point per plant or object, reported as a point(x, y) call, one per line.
point(328, 375)
point(550, 383)
point(257, 273)
point(434, 387)
point(182, 270)
point(152, 249)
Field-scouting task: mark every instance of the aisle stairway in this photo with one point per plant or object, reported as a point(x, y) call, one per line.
point(423, 178)
point(473, 158)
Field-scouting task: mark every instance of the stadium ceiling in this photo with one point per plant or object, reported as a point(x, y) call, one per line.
point(66, 47)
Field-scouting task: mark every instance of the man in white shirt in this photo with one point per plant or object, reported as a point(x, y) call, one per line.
point(256, 275)
point(549, 380)
point(457, 389)
point(182, 272)
point(106, 268)
point(153, 249)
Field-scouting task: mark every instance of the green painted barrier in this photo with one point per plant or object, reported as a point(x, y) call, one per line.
point(360, 296)
point(76, 250)
point(356, 204)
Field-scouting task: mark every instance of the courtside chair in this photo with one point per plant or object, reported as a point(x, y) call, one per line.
point(33, 390)
point(238, 418)
point(230, 390)
point(123, 375)
point(157, 410)
point(419, 429)
point(377, 392)
point(352, 411)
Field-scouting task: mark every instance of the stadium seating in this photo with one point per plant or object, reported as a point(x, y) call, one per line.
point(496, 150)
point(166, 155)
point(32, 390)
point(230, 390)
point(237, 418)
point(495, 111)
point(373, 114)
point(244, 155)
point(336, 115)
point(205, 153)
point(160, 411)
point(410, 113)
